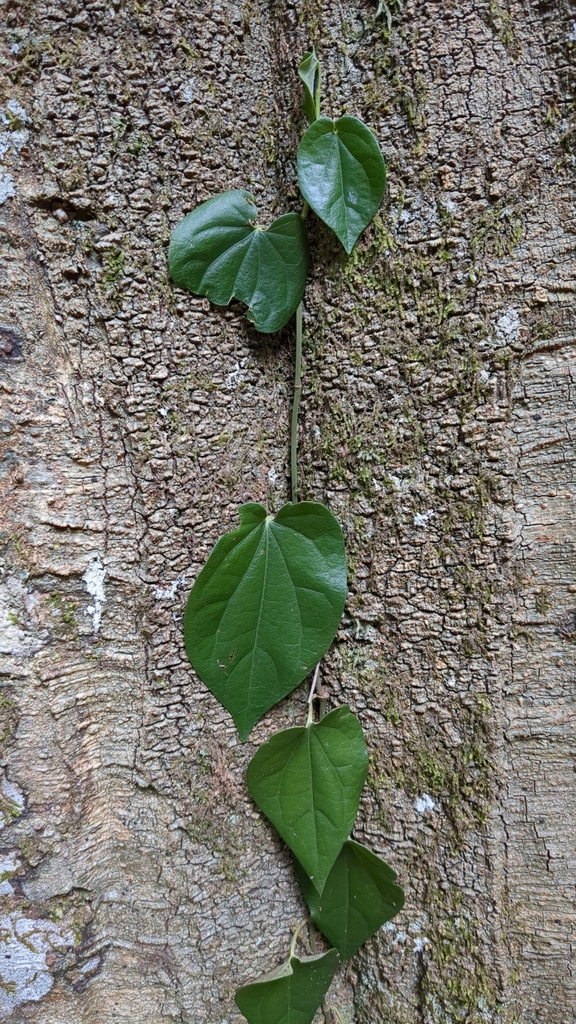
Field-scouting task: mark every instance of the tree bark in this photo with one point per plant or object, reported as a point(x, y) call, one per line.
point(139, 884)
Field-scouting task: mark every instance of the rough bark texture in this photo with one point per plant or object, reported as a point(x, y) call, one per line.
point(139, 884)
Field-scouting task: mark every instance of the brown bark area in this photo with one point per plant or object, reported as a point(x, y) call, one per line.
point(138, 882)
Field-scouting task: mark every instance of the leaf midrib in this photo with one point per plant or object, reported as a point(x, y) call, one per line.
point(342, 144)
point(308, 738)
point(268, 532)
point(252, 240)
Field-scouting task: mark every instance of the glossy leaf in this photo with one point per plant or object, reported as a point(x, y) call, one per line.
point(266, 606)
point(311, 76)
point(308, 782)
point(292, 993)
point(217, 251)
point(358, 898)
point(342, 175)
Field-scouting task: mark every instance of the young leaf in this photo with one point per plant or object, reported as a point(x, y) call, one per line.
point(308, 782)
point(266, 606)
point(358, 898)
point(292, 993)
point(311, 76)
point(342, 175)
point(217, 251)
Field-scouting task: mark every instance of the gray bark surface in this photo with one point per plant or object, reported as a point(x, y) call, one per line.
point(138, 882)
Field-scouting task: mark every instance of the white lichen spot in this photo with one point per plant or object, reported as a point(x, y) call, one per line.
point(10, 631)
point(395, 482)
point(168, 593)
point(188, 90)
point(7, 189)
point(12, 801)
point(571, 38)
point(9, 865)
point(17, 110)
point(19, 635)
point(423, 518)
point(507, 327)
point(94, 578)
point(424, 803)
point(13, 141)
point(237, 375)
point(272, 476)
point(420, 944)
point(12, 117)
point(24, 973)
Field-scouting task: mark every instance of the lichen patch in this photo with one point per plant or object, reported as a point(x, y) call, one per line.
point(94, 579)
point(24, 972)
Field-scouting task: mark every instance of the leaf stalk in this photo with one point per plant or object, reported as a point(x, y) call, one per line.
point(311, 696)
point(295, 936)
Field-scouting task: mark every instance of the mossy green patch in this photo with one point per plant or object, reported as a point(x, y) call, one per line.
point(9, 714)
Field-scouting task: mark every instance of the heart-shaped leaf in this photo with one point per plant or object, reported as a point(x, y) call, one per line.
point(266, 606)
point(311, 76)
point(358, 898)
point(217, 251)
point(308, 782)
point(342, 175)
point(292, 993)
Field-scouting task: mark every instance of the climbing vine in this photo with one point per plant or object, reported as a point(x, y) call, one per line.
point(266, 606)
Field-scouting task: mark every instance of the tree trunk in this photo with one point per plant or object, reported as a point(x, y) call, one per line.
point(139, 883)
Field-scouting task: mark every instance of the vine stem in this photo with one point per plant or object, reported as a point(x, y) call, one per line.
point(296, 406)
point(297, 391)
point(294, 482)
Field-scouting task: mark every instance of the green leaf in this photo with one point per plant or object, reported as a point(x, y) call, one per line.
point(342, 175)
point(217, 251)
point(311, 76)
point(292, 993)
point(308, 782)
point(358, 898)
point(266, 606)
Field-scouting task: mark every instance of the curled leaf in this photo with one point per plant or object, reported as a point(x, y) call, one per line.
point(292, 993)
point(217, 251)
point(311, 76)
